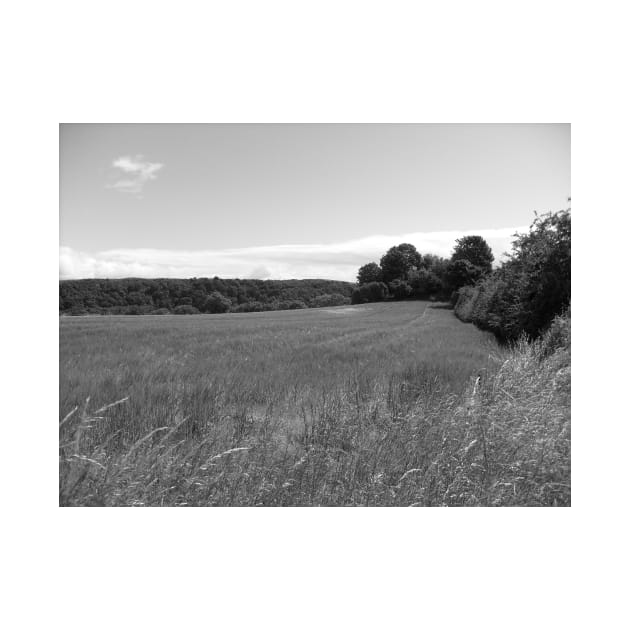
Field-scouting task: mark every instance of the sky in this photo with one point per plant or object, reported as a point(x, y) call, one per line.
point(295, 200)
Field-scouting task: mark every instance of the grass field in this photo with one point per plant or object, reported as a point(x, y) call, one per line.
point(379, 404)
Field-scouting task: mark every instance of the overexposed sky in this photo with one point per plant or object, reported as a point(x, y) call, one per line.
point(295, 201)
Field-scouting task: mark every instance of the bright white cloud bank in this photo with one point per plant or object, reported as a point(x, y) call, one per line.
point(134, 173)
point(335, 261)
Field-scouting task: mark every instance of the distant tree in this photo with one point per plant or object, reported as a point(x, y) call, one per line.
point(134, 298)
point(370, 292)
point(476, 251)
point(435, 264)
point(137, 296)
point(289, 305)
point(185, 309)
point(399, 289)
point(369, 273)
point(217, 303)
point(399, 261)
point(461, 273)
point(425, 283)
point(330, 299)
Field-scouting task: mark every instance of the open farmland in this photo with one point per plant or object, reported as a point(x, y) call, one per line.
point(364, 405)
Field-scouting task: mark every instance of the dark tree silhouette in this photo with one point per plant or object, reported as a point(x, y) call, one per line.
point(399, 261)
point(369, 273)
point(475, 250)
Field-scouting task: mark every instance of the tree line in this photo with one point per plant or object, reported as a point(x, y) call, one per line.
point(137, 296)
point(522, 296)
point(405, 273)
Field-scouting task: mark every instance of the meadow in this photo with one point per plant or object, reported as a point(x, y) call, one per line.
point(386, 404)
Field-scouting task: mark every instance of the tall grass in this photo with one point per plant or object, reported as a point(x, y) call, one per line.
point(393, 404)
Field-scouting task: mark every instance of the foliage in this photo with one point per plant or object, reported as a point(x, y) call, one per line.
point(136, 296)
point(399, 289)
point(370, 292)
point(527, 292)
point(369, 273)
point(216, 303)
point(476, 251)
point(399, 261)
point(425, 283)
point(186, 309)
point(435, 264)
point(461, 273)
point(329, 299)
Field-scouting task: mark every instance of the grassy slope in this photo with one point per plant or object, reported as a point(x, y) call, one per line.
point(372, 405)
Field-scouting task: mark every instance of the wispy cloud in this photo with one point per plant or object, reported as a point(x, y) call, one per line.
point(335, 261)
point(133, 173)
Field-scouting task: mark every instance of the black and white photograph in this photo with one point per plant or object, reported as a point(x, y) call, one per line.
point(313, 359)
point(315, 315)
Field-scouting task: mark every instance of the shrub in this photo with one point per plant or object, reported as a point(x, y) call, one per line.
point(425, 283)
point(399, 289)
point(465, 299)
point(370, 292)
point(460, 273)
point(558, 335)
point(249, 307)
point(370, 273)
point(289, 305)
point(161, 311)
point(330, 299)
point(217, 303)
point(534, 286)
point(185, 309)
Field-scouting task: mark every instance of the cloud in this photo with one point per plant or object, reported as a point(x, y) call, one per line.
point(260, 273)
point(133, 173)
point(335, 261)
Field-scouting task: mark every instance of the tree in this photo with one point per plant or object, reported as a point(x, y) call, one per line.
point(475, 250)
point(185, 309)
point(369, 273)
point(435, 264)
point(461, 273)
point(399, 289)
point(217, 303)
point(399, 261)
point(531, 288)
point(329, 299)
point(371, 292)
point(425, 283)
point(542, 260)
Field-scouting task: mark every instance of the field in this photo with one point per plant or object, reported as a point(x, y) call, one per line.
point(380, 404)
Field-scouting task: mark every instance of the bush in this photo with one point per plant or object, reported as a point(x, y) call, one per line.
point(425, 283)
point(289, 305)
point(465, 299)
point(533, 287)
point(161, 311)
point(370, 292)
point(558, 335)
point(461, 273)
point(329, 299)
point(186, 309)
point(249, 307)
point(369, 273)
point(399, 289)
point(217, 303)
